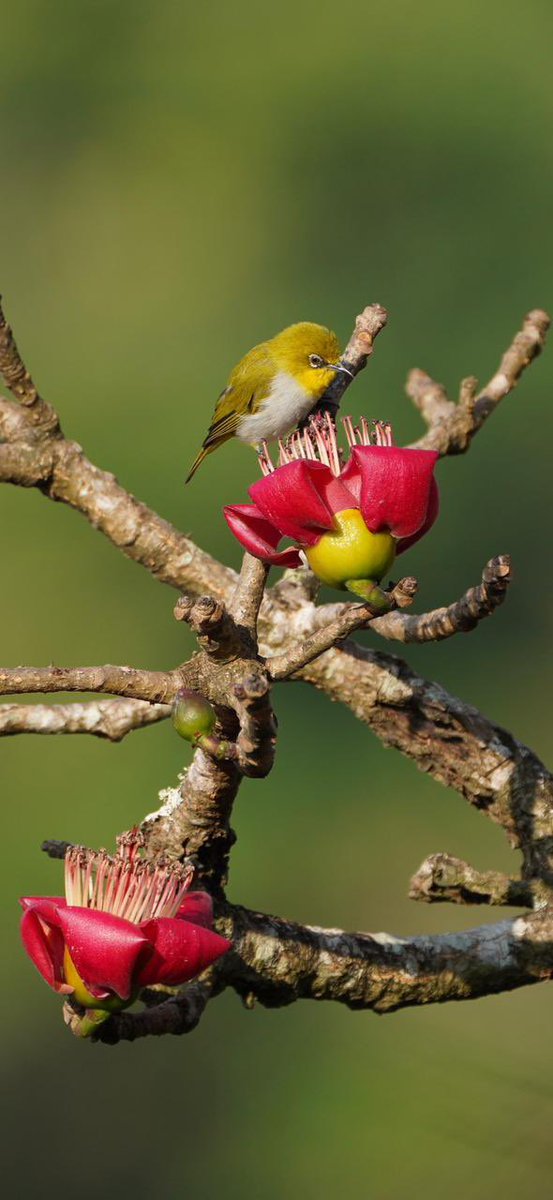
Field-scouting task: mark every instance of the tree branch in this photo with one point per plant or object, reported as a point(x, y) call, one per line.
point(348, 619)
point(179, 1015)
point(193, 821)
point(155, 686)
point(278, 962)
point(37, 454)
point(451, 740)
point(460, 617)
point(275, 960)
point(451, 427)
point(368, 325)
point(19, 381)
point(246, 600)
point(216, 631)
point(441, 878)
point(256, 740)
point(111, 719)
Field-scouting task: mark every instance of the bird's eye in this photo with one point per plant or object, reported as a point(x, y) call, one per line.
point(315, 360)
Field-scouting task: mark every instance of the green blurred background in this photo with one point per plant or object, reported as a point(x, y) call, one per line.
point(179, 182)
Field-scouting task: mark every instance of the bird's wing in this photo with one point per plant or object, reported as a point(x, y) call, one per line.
point(248, 386)
point(225, 418)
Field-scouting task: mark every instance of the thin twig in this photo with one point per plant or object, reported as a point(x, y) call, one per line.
point(443, 878)
point(350, 618)
point(256, 740)
point(368, 325)
point(460, 617)
point(19, 380)
point(451, 427)
point(155, 686)
point(178, 1016)
point(246, 601)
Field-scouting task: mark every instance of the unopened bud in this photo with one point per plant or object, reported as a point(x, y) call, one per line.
point(193, 715)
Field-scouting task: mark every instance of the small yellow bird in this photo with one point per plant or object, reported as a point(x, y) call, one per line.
point(274, 387)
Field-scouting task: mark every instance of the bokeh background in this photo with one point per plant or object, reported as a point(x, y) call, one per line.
point(179, 181)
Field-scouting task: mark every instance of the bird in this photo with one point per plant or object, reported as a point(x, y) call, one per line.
point(274, 387)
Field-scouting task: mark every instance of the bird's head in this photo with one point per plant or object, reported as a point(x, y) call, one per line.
point(309, 352)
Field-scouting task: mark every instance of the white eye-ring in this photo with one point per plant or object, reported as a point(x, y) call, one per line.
point(316, 361)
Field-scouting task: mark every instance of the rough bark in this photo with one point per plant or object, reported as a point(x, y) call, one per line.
point(248, 638)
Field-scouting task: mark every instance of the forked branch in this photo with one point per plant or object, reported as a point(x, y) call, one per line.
point(276, 961)
point(451, 427)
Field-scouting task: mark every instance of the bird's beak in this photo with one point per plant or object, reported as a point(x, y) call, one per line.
point(339, 367)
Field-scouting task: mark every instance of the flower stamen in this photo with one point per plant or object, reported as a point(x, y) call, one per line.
point(124, 884)
point(349, 431)
point(318, 442)
point(383, 433)
point(264, 457)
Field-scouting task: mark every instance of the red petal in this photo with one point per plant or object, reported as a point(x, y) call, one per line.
point(258, 536)
point(433, 510)
point(43, 940)
point(393, 485)
point(292, 502)
point(336, 496)
point(36, 901)
point(198, 908)
point(108, 951)
point(181, 951)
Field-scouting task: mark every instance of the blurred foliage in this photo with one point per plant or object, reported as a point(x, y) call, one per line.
point(180, 181)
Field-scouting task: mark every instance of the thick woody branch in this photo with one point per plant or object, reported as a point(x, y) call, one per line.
point(442, 878)
point(451, 740)
point(159, 687)
point(193, 821)
point(111, 719)
point(460, 617)
point(451, 427)
point(278, 962)
point(349, 618)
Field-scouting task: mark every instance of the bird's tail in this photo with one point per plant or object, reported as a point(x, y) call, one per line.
point(198, 461)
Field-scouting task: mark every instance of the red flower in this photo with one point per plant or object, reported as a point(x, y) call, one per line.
point(125, 924)
point(350, 520)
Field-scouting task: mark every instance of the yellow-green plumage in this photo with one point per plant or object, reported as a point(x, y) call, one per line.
point(276, 384)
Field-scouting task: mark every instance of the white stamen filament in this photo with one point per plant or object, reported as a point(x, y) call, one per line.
point(318, 442)
point(125, 884)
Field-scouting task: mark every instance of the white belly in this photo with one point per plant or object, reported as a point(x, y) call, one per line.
point(286, 405)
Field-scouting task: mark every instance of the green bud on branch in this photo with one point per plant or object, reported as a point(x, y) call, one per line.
point(193, 716)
